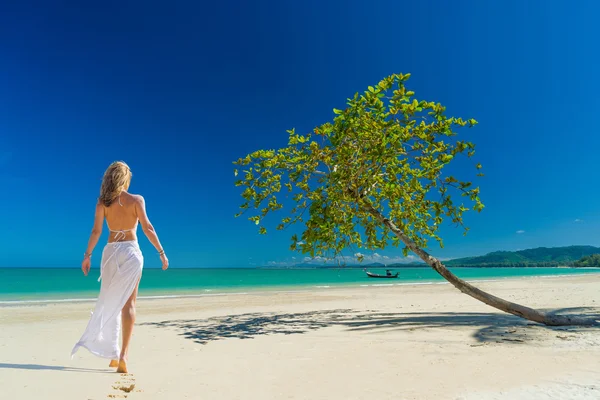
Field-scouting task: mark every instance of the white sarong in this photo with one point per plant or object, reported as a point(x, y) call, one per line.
point(120, 272)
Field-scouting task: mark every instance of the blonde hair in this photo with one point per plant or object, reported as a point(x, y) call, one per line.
point(117, 178)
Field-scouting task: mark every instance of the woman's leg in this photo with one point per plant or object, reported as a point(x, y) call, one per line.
point(128, 320)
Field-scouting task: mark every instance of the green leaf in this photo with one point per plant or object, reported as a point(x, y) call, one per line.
point(447, 158)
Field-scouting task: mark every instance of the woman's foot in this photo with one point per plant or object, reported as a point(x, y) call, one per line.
point(122, 369)
point(113, 364)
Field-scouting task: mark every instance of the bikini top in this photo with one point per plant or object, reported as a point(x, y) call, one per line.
point(120, 234)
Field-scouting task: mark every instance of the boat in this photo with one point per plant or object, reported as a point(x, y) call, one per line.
point(372, 275)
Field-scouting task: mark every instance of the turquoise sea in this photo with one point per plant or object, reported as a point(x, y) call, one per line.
point(34, 284)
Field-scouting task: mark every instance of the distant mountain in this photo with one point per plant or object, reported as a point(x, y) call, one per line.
point(331, 265)
point(321, 265)
point(538, 257)
point(541, 257)
point(374, 265)
point(413, 264)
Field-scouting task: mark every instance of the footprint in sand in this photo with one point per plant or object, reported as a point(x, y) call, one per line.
point(125, 388)
point(125, 385)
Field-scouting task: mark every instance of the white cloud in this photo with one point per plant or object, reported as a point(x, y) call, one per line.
point(520, 231)
point(376, 257)
point(278, 263)
point(578, 220)
point(317, 258)
point(347, 260)
point(353, 260)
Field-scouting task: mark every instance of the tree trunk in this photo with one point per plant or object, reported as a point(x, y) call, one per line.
point(491, 300)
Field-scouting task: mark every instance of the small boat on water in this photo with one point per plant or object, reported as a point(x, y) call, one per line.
point(372, 275)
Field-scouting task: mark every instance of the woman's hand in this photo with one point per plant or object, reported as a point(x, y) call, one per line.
point(85, 266)
point(165, 261)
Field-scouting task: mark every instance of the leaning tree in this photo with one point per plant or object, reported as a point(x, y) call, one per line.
point(373, 177)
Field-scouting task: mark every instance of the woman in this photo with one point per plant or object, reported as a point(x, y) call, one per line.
point(121, 266)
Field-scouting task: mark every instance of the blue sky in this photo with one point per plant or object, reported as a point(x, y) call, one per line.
point(179, 90)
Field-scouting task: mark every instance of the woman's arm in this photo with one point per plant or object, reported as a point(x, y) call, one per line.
point(149, 231)
point(94, 236)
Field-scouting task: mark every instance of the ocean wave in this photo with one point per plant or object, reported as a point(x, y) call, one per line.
point(304, 288)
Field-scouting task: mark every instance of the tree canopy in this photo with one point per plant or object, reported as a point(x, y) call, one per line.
point(385, 151)
point(372, 177)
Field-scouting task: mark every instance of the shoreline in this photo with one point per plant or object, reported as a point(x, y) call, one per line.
point(155, 294)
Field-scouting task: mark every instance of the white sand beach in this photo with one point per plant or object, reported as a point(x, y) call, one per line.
point(403, 342)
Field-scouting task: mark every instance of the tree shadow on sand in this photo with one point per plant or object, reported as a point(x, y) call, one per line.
point(490, 327)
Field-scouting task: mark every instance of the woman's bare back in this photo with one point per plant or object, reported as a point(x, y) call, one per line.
point(122, 217)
